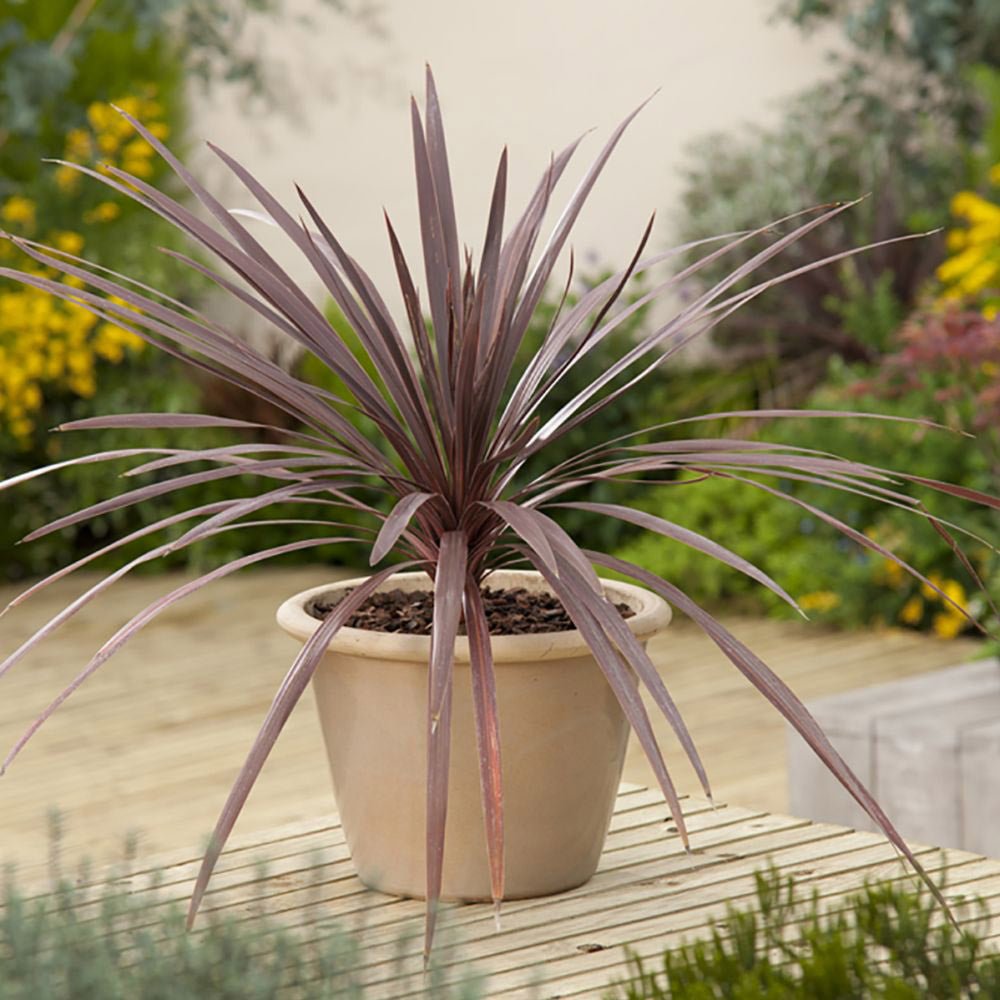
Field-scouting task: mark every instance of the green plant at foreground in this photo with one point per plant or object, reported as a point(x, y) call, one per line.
point(454, 455)
point(100, 943)
point(886, 944)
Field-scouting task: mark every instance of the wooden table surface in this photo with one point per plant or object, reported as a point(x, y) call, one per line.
point(647, 894)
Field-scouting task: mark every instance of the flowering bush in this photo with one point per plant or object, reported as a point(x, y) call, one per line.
point(48, 345)
point(954, 354)
point(973, 269)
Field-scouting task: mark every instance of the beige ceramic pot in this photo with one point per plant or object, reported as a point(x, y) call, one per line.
point(562, 732)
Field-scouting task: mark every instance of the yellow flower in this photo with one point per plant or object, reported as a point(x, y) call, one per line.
point(159, 129)
point(83, 385)
point(979, 277)
point(956, 239)
point(101, 116)
point(929, 592)
point(974, 207)
point(108, 143)
point(894, 573)
point(106, 211)
point(955, 267)
point(137, 167)
point(80, 362)
point(21, 429)
point(961, 202)
point(67, 179)
point(108, 349)
point(913, 611)
point(819, 600)
point(948, 625)
point(991, 312)
point(68, 242)
point(18, 211)
point(954, 591)
point(138, 149)
point(130, 105)
point(78, 145)
point(32, 397)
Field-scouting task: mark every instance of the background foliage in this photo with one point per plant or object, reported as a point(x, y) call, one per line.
point(938, 41)
point(62, 64)
point(907, 162)
point(910, 115)
point(909, 328)
point(902, 121)
point(834, 578)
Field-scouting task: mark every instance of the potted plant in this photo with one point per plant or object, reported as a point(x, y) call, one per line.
point(459, 424)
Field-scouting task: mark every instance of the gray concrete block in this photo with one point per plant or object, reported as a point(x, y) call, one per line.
point(927, 747)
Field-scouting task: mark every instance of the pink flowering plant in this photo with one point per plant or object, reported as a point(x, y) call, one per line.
point(459, 419)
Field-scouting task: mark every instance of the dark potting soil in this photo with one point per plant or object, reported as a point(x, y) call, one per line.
point(508, 612)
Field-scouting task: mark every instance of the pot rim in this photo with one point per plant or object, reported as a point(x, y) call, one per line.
point(652, 615)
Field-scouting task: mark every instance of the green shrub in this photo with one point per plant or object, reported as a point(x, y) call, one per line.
point(102, 944)
point(889, 942)
point(58, 74)
point(829, 146)
point(833, 577)
point(905, 118)
point(937, 42)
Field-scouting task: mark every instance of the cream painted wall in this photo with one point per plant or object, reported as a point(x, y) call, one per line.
point(530, 74)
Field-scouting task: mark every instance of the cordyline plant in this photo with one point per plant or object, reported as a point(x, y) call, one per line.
point(459, 425)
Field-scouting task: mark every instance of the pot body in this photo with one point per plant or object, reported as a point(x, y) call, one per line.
point(562, 732)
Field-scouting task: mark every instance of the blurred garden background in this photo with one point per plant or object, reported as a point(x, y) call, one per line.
point(898, 100)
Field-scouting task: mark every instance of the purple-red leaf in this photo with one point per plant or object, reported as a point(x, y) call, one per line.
point(449, 588)
point(396, 523)
point(686, 537)
point(529, 526)
point(484, 701)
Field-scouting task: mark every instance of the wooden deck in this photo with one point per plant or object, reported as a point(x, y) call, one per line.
point(647, 895)
point(152, 742)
